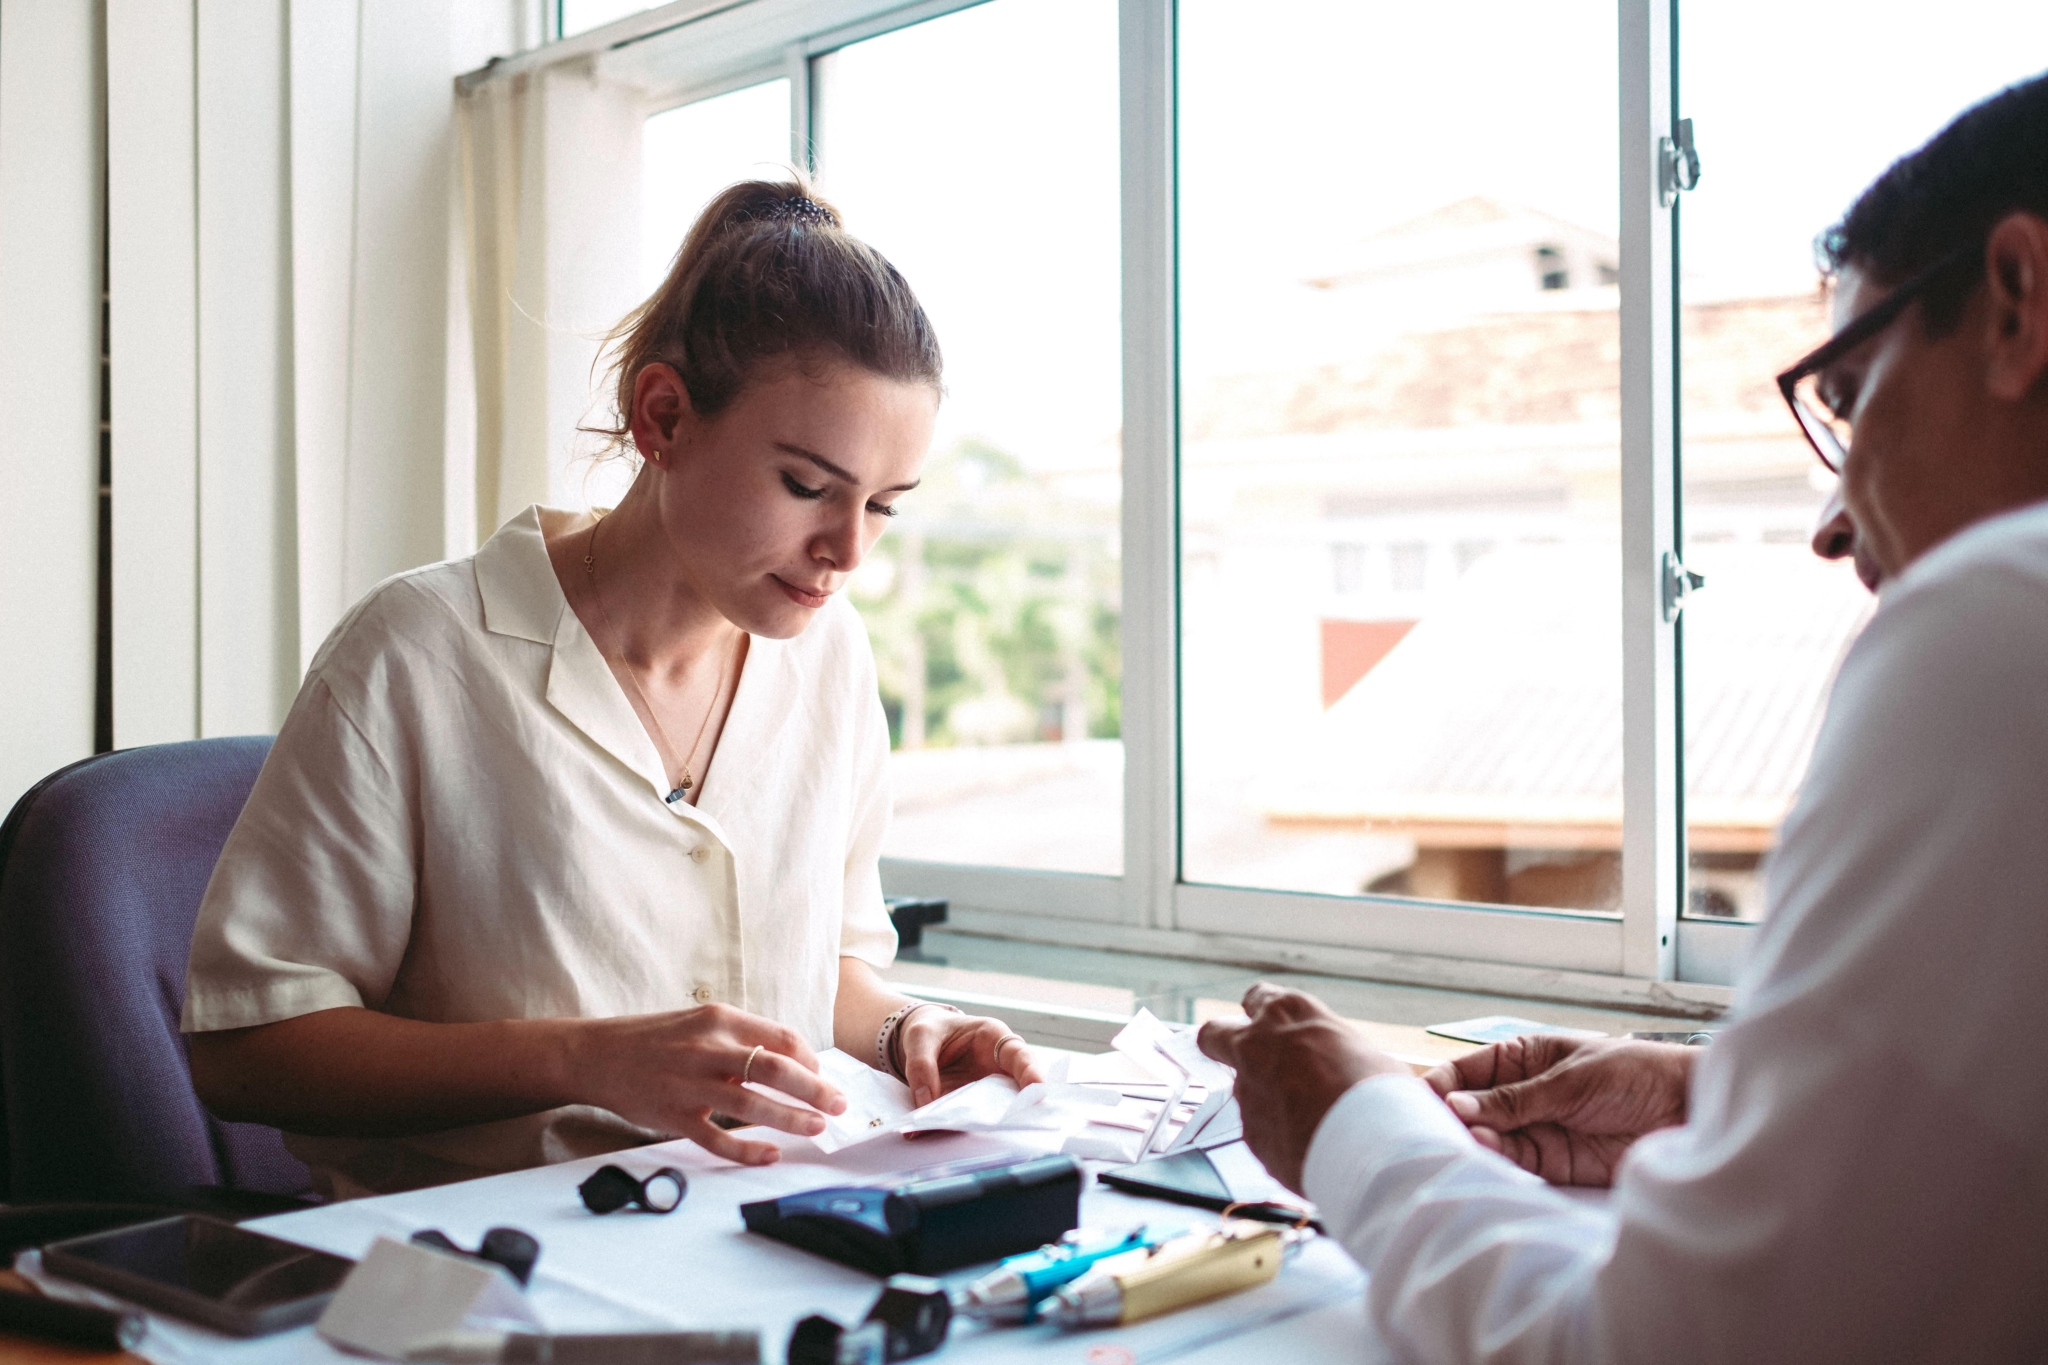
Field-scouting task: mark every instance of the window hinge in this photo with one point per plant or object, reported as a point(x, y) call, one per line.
point(1678, 163)
point(1679, 584)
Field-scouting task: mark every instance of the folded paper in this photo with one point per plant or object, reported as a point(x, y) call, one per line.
point(401, 1296)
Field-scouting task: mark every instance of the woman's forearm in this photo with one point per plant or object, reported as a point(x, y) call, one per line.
point(864, 1001)
point(358, 1073)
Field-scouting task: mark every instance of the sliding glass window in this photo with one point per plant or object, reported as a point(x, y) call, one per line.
point(978, 152)
point(1400, 451)
point(1783, 157)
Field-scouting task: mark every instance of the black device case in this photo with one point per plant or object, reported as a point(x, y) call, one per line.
point(928, 1227)
point(319, 1273)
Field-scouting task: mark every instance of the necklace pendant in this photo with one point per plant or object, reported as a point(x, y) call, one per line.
point(687, 784)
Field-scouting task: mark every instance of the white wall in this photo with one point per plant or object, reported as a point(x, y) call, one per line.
point(282, 223)
point(281, 176)
point(51, 85)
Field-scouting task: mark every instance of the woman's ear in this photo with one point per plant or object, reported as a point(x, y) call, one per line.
point(662, 417)
point(2016, 276)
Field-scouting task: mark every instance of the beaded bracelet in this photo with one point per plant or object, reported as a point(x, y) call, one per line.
point(885, 1057)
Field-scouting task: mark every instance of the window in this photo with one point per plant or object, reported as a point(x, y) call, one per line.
point(1328, 397)
point(978, 151)
point(1372, 371)
point(1762, 640)
point(688, 154)
point(579, 16)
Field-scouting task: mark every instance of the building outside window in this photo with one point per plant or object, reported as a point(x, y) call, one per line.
point(1326, 393)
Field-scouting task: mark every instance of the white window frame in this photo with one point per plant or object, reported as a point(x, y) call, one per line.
point(1648, 955)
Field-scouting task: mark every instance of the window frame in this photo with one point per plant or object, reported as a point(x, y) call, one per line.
point(1648, 953)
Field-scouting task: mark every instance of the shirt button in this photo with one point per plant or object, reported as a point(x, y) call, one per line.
point(702, 995)
point(699, 854)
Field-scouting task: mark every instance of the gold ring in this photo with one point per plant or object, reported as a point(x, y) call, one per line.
point(748, 1069)
point(1004, 1042)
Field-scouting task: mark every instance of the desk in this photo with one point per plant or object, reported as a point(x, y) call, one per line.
point(698, 1268)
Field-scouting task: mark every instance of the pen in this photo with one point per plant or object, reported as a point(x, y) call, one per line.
point(74, 1324)
point(1013, 1291)
point(594, 1348)
point(1195, 1268)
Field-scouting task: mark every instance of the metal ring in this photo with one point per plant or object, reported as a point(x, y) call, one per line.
point(748, 1069)
point(1004, 1042)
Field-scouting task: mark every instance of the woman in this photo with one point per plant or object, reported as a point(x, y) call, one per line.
point(562, 844)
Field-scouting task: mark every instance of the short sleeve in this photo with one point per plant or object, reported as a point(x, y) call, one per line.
point(866, 932)
point(311, 904)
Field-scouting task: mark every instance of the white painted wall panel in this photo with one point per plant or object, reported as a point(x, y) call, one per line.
point(50, 145)
point(248, 543)
point(323, 177)
point(153, 280)
point(398, 335)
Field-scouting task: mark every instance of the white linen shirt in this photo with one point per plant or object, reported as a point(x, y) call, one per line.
point(462, 819)
point(1863, 1174)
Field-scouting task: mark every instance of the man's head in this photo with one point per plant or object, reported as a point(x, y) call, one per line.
point(1948, 405)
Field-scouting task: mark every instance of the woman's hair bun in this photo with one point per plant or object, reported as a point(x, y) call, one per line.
point(760, 277)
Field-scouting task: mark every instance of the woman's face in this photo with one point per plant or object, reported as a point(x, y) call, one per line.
point(768, 507)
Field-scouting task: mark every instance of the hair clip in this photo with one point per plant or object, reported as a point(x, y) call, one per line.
point(516, 1251)
point(613, 1187)
point(801, 208)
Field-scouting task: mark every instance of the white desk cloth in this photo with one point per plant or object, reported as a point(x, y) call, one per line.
point(698, 1267)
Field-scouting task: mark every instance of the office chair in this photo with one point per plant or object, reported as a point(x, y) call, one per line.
point(102, 866)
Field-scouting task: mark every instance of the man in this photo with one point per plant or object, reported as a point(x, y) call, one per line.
point(1857, 1168)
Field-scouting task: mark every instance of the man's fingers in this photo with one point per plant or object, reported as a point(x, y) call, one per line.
point(1443, 1078)
point(1219, 1038)
point(1512, 1106)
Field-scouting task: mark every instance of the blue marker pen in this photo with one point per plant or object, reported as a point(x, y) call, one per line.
point(1012, 1291)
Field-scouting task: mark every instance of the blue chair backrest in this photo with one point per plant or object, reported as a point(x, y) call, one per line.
point(102, 866)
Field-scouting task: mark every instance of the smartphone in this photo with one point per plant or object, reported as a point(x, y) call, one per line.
point(205, 1270)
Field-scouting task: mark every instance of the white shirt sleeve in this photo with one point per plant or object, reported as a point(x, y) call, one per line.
point(1861, 1173)
point(311, 904)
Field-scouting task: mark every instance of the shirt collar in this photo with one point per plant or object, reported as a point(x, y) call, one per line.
point(517, 581)
point(523, 598)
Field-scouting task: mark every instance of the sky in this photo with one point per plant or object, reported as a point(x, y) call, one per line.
point(979, 152)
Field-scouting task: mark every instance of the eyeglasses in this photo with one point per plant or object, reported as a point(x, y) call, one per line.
point(1826, 431)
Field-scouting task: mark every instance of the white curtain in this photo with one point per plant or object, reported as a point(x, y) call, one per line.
point(50, 140)
point(289, 271)
point(551, 199)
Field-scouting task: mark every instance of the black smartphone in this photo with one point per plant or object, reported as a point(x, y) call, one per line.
point(206, 1270)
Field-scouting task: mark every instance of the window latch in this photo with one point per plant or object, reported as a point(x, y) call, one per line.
point(1678, 163)
point(1679, 584)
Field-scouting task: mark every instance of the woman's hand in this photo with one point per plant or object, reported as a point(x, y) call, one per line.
point(672, 1072)
point(1567, 1108)
point(942, 1051)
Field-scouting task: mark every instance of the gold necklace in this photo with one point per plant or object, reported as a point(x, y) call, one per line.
point(626, 665)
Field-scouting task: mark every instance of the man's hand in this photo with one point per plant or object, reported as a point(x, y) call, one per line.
point(1294, 1059)
point(1567, 1108)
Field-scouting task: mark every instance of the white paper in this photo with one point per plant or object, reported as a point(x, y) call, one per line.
point(1170, 1052)
point(400, 1296)
point(877, 1105)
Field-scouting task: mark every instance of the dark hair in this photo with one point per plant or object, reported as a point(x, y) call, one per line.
point(1989, 162)
point(768, 271)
